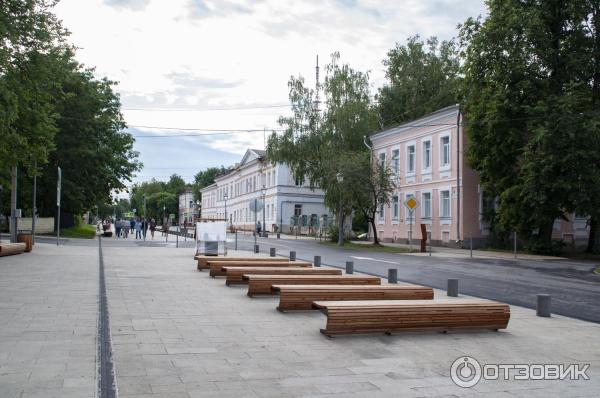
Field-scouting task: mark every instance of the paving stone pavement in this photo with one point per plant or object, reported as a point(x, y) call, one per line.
point(48, 312)
point(178, 333)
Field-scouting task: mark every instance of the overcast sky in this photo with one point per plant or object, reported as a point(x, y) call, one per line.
point(187, 63)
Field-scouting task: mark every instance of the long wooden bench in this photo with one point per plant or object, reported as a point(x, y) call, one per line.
point(387, 316)
point(9, 249)
point(261, 284)
point(301, 297)
point(235, 274)
point(216, 267)
point(203, 260)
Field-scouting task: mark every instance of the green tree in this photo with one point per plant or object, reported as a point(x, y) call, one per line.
point(527, 100)
point(314, 143)
point(422, 77)
point(205, 178)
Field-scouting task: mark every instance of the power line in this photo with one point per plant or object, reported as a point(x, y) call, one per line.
point(233, 108)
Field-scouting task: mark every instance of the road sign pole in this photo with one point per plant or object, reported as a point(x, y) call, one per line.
point(410, 212)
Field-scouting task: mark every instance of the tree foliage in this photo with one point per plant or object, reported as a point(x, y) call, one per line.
point(317, 145)
point(158, 194)
point(528, 102)
point(423, 76)
point(205, 178)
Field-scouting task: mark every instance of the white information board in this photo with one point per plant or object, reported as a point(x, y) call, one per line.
point(211, 231)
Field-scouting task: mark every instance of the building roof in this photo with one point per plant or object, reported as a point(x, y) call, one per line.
point(424, 121)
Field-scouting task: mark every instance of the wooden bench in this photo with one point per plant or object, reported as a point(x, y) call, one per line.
point(301, 297)
point(261, 284)
point(203, 260)
point(9, 249)
point(387, 316)
point(235, 274)
point(216, 267)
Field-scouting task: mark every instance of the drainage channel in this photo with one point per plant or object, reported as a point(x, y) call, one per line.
point(107, 384)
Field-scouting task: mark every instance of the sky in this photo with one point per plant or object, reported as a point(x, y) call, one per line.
point(223, 65)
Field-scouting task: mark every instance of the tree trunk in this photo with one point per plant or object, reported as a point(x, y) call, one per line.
point(375, 236)
point(13, 204)
point(341, 226)
point(545, 233)
point(594, 237)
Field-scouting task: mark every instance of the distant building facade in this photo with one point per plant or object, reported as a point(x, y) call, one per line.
point(427, 161)
point(188, 210)
point(288, 203)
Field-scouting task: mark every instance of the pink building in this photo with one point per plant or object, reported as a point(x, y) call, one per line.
point(426, 156)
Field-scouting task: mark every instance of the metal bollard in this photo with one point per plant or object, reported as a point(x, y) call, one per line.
point(317, 261)
point(452, 288)
point(272, 252)
point(255, 248)
point(543, 305)
point(349, 267)
point(392, 275)
point(235, 240)
point(292, 256)
point(278, 235)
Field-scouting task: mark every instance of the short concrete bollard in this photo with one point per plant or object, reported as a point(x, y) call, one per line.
point(317, 261)
point(349, 267)
point(543, 305)
point(452, 287)
point(255, 248)
point(392, 275)
point(292, 256)
point(272, 252)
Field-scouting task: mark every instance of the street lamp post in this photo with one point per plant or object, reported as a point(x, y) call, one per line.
point(225, 197)
point(144, 223)
point(263, 191)
point(340, 178)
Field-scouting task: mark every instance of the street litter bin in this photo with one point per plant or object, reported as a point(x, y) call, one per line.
point(211, 248)
point(26, 238)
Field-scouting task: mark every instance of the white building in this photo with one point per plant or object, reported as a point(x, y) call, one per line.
point(286, 200)
point(188, 211)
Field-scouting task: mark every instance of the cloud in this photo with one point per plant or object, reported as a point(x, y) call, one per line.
point(200, 9)
point(186, 79)
point(135, 5)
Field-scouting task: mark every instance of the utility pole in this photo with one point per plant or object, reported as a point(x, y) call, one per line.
point(145, 222)
point(34, 206)
point(13, 205)
point(58, 189)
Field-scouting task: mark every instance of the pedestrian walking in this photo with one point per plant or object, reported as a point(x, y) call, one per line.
point(144, 226)
point(258, 228)
point(117, 228)
point(138, 229)
point(152, 227)
point(125, 229)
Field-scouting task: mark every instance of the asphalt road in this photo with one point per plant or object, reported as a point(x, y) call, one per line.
point(575, 290)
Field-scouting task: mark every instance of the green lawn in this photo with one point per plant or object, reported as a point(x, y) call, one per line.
point(597, 270)
point(370, 247)
point(84, 231)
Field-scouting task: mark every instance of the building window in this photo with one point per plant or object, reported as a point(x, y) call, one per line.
point(395, 207)
point(426, 154)
point(396, 161)
point(297, 210)
point(273, 177)
point(445, 153)
point(410, 158)
point(426, 199)
point(381, 212)
point(382, 160)
point(298, 181)
point(444, 204)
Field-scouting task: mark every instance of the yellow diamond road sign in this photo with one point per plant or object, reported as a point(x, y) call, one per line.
point(411, 203)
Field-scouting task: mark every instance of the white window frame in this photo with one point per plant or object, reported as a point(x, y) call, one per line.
point(426, 168)
point(447, 165)
point(441, 204)
point(410, 172)
point(395, 207)
point(381, 214)
point(381, 159)
point(424, 207)
point(396, 162)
